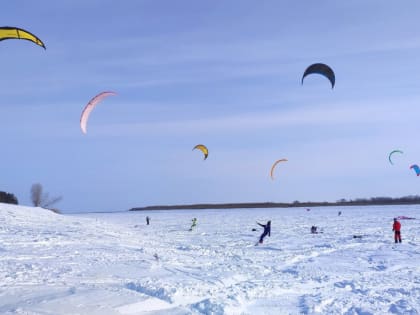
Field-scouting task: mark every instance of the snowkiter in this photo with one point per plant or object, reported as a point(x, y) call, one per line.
point(147, 220)
point(267, 230)
point(194, 223)
point(396, 227)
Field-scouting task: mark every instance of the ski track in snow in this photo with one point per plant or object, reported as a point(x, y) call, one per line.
point(113, 263)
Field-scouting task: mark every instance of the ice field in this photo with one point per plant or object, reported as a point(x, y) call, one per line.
point(113, 263)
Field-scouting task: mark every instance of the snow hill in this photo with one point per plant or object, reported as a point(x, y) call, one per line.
point(113, 263)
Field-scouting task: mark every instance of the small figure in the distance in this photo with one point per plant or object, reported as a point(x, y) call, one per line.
point(194, 223)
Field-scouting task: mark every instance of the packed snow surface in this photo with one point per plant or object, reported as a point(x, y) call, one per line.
point(113, 263)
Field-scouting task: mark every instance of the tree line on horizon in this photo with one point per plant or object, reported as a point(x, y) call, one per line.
point(373, 200)
point(412, 199)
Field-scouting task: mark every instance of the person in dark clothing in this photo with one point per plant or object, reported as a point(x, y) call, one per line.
point(267, 230)
point(313, 229)
point(147, 220)
point(396, 227)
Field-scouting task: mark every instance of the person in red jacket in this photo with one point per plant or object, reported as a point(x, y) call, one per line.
point(396, 227)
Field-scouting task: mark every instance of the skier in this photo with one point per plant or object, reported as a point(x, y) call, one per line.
point(396, 227)
point(194, 223)
point(147, 220)
point(267, 230)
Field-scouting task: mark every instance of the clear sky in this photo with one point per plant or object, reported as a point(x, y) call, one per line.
point(222, 73)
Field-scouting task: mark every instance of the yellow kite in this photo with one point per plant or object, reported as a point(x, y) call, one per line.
point(203, 149)
point(7, 32)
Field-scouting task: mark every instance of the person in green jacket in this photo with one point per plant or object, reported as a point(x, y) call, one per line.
point(194, 223)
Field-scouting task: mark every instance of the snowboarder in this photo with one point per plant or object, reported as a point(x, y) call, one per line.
point(147, 220)
point(194, 223)
point(313, 229)
point(267, 230)
point(396, 227)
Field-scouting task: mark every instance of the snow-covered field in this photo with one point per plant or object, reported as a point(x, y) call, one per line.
point(115, 264)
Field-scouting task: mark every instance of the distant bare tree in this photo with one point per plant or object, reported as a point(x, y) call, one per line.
point(36, 194)
point(49, 203)
point(41, 199)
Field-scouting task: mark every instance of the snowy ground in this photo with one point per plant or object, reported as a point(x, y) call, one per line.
point(115, 264)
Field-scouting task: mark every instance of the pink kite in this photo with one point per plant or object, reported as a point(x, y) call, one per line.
point(90, 106)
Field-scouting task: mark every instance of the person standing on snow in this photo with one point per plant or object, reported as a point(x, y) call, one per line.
point(396, 227)
point(267, 230)
point(147, 220)
point(194, 223)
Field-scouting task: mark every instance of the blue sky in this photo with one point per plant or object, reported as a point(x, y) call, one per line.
point(222, 73)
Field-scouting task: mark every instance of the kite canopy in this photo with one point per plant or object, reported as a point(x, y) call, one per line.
point(323, 69)
point(274, 165)
point(392, 152)
point(416, 168)
point(203, 149)
point(7, 32)
point(403, 217)
point(90, 106)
